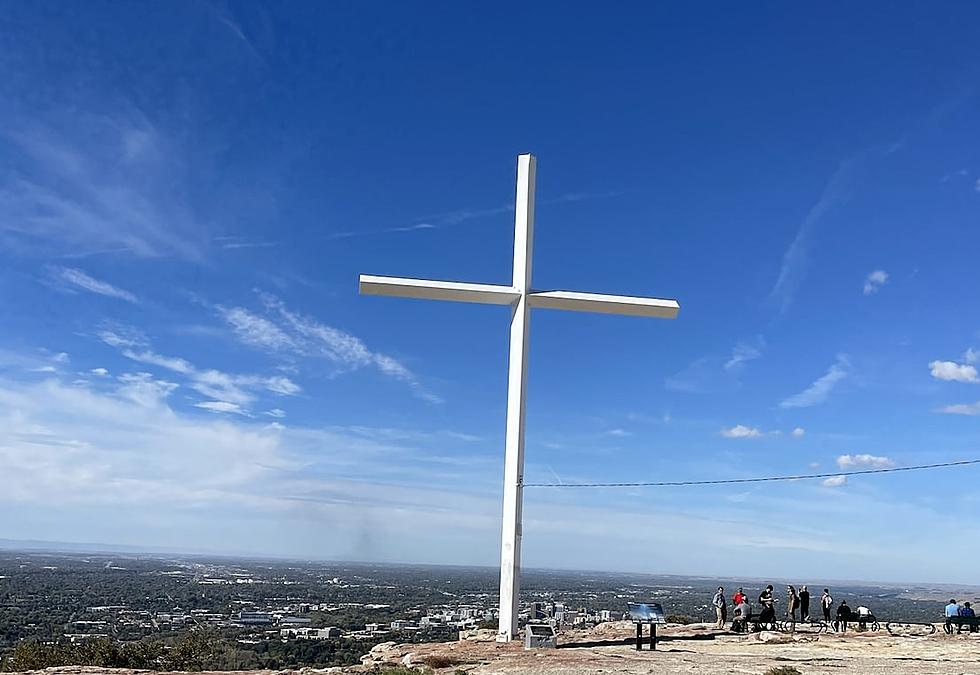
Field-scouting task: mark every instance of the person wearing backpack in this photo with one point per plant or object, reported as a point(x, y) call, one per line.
point(826, 602)
point(792, 602)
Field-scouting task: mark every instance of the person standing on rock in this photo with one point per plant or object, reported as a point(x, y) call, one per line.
point(843, 616)
point(804, 603)
point(826, 602)
point(721, 607)
point(792, 602)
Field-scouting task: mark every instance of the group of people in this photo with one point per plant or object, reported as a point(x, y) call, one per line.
point(797, 604)
point(953, 609)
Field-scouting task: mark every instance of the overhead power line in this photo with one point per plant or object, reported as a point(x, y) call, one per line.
point(766, 479)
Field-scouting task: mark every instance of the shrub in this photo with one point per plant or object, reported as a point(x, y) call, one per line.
point(440, 661)
point(195, 651)
point(783, 670)
point(101, 652)
point(679, 618)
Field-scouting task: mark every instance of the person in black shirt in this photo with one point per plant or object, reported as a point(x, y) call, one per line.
point(804, 604)
point(765, 597)
point(767, 613)
point(843, 615)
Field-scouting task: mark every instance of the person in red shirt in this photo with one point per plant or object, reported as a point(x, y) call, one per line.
point(739, 597)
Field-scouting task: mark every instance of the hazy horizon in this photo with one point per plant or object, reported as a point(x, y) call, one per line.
point(79, 548)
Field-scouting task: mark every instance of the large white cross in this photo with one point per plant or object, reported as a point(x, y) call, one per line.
point(521, 299)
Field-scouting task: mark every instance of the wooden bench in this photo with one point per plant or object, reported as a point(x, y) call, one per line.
point(972, 622)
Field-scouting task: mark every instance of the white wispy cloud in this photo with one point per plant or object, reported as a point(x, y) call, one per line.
point(174, 363)
point(143, 389)
point(255, 330)
point(874, 281)
point(834, 481)
point(835, 194)
point(959, 173)
point(619, 433)
point(864, 462)
point(122, 443)
point(235, 242)
point(820, 389)
point(87, 456)
point(971, 409)
point(698, 377)
point(96, 183)
point(713, 373)
point(798, 432)
point(276, 412)
point(101, 372)
point(741, 431)
point(744, 352)
point(797, 256)
point(75, 279)
point(460, 436)
point(951, 371)
point(221, 407)
point(459, 216)
point(215, 384)
point(971, 355)
point(286, 332)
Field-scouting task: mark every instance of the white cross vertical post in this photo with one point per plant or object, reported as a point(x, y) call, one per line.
point(521, 299)
point(510, 537)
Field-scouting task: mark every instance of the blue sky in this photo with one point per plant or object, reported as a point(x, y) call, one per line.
point(188, 192)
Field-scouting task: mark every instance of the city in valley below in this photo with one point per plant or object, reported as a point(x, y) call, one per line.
point(277, 614)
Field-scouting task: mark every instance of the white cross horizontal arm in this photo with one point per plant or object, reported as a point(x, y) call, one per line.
point(489, 294)
point(605, 304)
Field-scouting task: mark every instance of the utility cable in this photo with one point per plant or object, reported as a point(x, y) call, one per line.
point(766, 479)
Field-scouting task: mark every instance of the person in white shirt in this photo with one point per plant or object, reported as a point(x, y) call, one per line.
point(863, 615)
point(952, 609)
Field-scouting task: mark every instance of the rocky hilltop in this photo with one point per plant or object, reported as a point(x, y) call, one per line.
point(697, 648)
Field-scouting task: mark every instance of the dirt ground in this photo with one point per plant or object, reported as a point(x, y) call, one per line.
point(610, 649)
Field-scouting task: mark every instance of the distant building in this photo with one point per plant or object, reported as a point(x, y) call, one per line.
point(401, 624)
point(294, 620)
point(254, 618)
point(311, 633)
point(537, 611)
